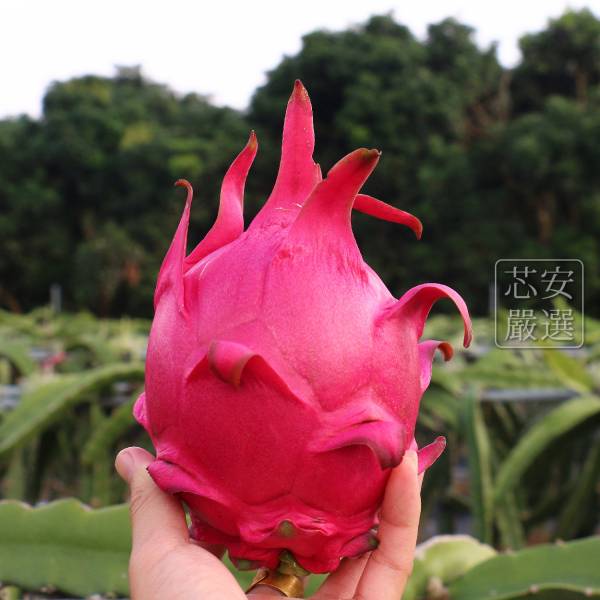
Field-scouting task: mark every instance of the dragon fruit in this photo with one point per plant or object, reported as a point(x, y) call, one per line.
point(283, 379)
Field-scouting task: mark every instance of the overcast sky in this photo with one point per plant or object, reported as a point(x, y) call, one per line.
point(219, 48)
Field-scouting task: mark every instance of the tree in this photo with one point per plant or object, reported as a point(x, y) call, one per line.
point(423, 104)
point(563, 59)
point(497, 163)
point(105, 152)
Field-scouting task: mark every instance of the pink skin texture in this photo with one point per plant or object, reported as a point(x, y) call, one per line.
point(283, 379)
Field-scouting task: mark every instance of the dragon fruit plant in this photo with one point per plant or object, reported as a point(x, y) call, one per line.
point(283, 379)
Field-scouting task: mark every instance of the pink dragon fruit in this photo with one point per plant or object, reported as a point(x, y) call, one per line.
point(283, 379)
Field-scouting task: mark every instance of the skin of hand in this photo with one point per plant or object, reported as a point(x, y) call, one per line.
point(165, 563)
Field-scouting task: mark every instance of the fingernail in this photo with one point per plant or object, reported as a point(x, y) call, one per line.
point(124, 464)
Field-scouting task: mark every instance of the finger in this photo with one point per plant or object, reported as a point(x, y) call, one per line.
point(342, 582)
point(217, 550)
point(157, 519)
point(390, 565)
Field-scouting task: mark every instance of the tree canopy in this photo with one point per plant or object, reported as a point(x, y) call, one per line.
point(496, 162)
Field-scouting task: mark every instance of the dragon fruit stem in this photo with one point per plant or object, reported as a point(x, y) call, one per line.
point(288, 578)
point(289, 565)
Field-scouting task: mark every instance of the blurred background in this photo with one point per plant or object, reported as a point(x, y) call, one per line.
point(489, 122)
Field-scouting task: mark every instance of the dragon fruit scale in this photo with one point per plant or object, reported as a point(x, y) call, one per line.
point(283, 379)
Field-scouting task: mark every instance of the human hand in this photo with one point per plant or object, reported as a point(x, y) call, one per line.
point(166, 564)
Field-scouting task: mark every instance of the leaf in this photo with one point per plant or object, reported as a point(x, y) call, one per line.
point(65, 545)
point(574, 512)
point(509, 524)
point(18, 354)
point(445, 558)
point(109, 431)
point(511, 378)
point(571, 372)
point(480, 467)
point(446, 380)
point(442, 405)
point(75, 549)
point(564, 569)
point(45, 404)
point(97, 347)
point(544, 433)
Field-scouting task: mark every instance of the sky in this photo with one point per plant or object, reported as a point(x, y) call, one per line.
point(222, 49)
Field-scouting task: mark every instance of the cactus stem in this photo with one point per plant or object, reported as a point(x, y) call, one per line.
point(10, 592)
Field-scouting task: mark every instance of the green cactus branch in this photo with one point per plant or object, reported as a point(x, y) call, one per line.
point(98, 348)
point(509, 523)
point(480, 466)
point(555, 570)
point(109, 431)
point(69, 547)
point(441, 404)
point(545, 432)
point(574, 512)
point(45, 403)
point(570, 371)
point(65, 545)
point(16, 353)
point(443, 559)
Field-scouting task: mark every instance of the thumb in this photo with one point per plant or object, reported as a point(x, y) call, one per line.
point(157, 519)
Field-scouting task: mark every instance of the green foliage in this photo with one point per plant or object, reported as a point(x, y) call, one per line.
point(48, 402)
point(571, 372)
point(74, 413)
point(105, 436)
point(441, 406)
point(442, 560)
point(545, 432)
point(563, 59)
point(526, 469)
point(480, 468)
point(532, 461)
point(66, 546)
point(532, 467)
point(572, 517)
point(429, 98)
point(100, 166)
point(16, 353)
point(496, 162)
point(10, 592)
point(565, 570)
